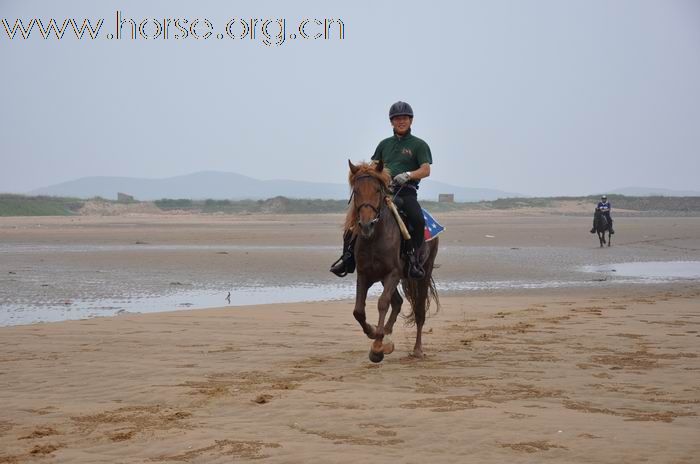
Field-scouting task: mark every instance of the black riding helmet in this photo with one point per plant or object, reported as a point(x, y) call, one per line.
point(400, 109)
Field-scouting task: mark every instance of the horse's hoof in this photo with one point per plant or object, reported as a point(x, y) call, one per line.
point(376, 356)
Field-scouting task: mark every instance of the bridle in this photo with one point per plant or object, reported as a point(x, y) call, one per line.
point(381, 190)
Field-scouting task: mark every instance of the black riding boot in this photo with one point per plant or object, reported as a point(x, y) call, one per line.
point(346, 263)
point(415, 268)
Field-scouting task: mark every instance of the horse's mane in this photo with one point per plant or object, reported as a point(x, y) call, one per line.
point(364, 169)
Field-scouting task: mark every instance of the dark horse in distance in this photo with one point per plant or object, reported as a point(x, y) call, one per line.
point(601, 225)
point(379, 259)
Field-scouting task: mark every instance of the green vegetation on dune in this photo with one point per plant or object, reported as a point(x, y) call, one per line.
point(641, 204)
point(655, 203)
point(271, 205)
point(511, 203)
point(20, 205)
point(169, 204)
point(283, 205)
point(685, 205)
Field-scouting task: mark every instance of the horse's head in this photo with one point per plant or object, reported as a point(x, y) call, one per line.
point(369, 183)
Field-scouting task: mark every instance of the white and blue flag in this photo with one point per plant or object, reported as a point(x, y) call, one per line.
point(432, 227)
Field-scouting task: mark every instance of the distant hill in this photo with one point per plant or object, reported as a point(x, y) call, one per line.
point(227, 185)
point(651, 191)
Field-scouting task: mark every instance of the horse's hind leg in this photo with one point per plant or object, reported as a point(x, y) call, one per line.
point(419, 314)
point(609, 238)
point(422, 289)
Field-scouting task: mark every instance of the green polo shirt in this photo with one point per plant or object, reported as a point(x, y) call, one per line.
point(401, 154)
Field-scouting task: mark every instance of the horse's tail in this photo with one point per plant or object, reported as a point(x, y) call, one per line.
point(419, 292)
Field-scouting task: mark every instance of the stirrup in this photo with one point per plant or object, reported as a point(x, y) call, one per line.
point(337, 270)
point(343, 265)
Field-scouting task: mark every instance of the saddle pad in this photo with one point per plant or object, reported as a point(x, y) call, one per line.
point(432, 227)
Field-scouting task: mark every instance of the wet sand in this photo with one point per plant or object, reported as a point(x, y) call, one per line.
point(602, 374)
point(70, 263)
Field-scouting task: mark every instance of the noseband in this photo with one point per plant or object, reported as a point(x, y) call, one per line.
point(376, 210)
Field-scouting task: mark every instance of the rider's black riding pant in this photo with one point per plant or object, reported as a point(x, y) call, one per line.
point(415, 215)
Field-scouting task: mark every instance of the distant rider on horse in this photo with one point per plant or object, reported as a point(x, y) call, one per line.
point(408, 158)
point(604, 207)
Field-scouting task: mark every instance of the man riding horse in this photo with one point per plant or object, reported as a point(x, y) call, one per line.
point(605, 208)
point(408, 158)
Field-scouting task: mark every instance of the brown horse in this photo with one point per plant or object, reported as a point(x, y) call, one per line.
point(379, 259)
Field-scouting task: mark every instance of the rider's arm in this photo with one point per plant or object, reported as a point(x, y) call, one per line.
point(422, 172)
point(377, 156)
point(425, 159)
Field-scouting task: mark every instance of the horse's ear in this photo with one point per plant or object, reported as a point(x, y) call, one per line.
point(353, 168)
point(380, 166)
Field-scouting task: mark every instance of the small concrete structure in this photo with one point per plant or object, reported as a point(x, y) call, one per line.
point(446, 198)
point(124, 198)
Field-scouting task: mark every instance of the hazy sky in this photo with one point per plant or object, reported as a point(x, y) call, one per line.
point(535, 97)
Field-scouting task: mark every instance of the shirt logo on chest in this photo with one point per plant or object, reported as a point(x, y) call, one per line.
point(406, 151)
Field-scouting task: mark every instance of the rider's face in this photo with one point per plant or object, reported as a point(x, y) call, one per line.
point(401, 124)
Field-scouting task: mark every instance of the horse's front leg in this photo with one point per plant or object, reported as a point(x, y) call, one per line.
point(396, 302)
point(360, 301)
point(378, 350)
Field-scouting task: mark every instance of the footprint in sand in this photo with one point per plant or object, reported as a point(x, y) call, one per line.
point(40, 432)
point(230, 448)
point(532, 446)
point(44, 450)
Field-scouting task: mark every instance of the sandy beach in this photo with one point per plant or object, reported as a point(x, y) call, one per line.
point(601, 372)
point(176, 179)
